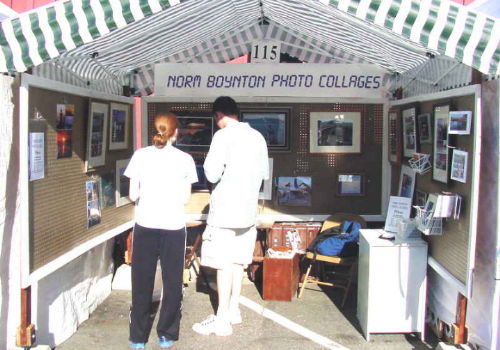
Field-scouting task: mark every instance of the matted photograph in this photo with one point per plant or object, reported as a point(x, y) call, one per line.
point(424, 128)
point(335, 132)
point(195, 132)
point(394, 143)
point(119, 126)
point(272, 124)
point(459, 166)
point(409, 132)
point(122, 183)
point(440, 156)
point(97, 135)
point(294, 191)
point(266, 190)
point(93, 205)
point(460, 122)
point(406, 182)
point(108, 190)
point(350, 184)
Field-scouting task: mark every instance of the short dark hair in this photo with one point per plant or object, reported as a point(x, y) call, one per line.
point(225, 105)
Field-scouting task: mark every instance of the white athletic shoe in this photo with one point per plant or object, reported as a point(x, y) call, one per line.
point(213, 325)
point(235, 316)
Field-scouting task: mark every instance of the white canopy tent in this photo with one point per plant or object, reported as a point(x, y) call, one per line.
point(110, 43)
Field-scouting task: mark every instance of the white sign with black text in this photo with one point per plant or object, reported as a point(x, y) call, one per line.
point(399, 209)
point(266, 52)
point(311, 80)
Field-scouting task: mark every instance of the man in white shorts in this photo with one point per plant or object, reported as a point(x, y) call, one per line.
point(236, 163)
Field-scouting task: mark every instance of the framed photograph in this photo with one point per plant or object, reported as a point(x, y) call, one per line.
point(195, 132)
point(440, 147)
point(97, 135)
point(409, 131)
point(406, 182)
point(93, 205)
point(294, 191)
point(350, 184)
point(335, 132)
point(460, 122)
point(420, 198)
point(394, 143)
point(459, 166)
point(273, 124)
point(65, 117)
point(424, 128)
point(122, 183)
point(108, 189)
point(266, 190)
point(119, 126)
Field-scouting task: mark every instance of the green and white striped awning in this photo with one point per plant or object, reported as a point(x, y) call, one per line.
point(106, 40)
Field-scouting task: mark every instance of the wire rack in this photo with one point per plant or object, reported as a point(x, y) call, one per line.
point(420, 162)
point(427, 223)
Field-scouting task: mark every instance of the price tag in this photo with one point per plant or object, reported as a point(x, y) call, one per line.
point(266, 52)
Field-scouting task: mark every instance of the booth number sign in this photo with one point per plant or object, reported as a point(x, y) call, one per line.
point(266, 52)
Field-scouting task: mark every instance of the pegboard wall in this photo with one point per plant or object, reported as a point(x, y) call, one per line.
point(299, 161)
point(58, 214)
point(451, 248)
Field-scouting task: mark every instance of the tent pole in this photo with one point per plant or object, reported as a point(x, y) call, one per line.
point(25, 336)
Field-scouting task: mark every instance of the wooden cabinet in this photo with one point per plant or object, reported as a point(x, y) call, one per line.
point(391, 284)
point(281, 278)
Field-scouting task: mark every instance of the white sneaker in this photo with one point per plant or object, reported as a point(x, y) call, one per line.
point(235, 316)
point(213, 325)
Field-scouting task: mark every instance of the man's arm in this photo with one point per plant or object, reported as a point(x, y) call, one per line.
point(216, 160)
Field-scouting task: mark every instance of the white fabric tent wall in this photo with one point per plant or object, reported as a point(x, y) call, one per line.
point(65, 298)
point(10, 232)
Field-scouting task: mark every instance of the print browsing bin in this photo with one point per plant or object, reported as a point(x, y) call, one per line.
point(307, 231)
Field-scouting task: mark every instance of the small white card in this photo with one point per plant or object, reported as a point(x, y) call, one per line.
point(399, 209)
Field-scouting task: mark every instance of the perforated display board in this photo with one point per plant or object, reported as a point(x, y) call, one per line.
point(58, 202)
point(298, 161)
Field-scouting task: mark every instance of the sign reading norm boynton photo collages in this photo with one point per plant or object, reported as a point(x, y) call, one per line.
point(312, 80)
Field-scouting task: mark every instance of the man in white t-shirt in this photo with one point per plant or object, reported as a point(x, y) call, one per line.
point(236, 163)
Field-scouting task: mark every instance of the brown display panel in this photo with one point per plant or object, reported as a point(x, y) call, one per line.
point(451, 249)
point(322, 168)
point(58, 217)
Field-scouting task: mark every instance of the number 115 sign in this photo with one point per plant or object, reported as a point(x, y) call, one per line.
point(266, 52)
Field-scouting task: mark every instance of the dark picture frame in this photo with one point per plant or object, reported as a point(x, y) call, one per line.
point(196, 130)
point(394, 142)
point(272, 123)
point(119, 125)
point(440, 156)
point(409, 125)
point(97, 135)
point(424, 128)
point(350, 184)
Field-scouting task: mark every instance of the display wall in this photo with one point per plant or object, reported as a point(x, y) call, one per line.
point(451, 248)
point(74, 202)
point(312, 170)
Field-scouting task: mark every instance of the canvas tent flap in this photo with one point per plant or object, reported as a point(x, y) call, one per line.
point(106, 40)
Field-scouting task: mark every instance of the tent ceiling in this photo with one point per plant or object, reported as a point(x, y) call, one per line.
point(107, 39)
